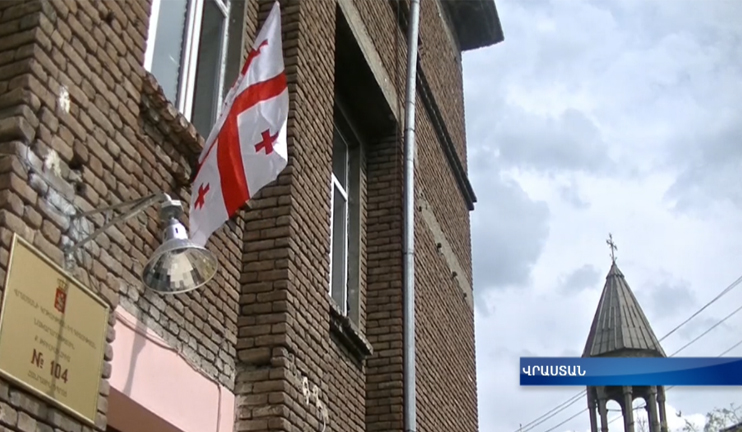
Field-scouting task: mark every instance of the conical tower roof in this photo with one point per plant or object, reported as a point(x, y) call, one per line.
point(620, 326)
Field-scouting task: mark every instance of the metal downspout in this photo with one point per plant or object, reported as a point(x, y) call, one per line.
point(410, 392)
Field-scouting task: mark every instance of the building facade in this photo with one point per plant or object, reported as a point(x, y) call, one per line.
point(103, 101)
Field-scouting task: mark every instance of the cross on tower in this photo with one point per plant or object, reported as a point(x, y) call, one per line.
point(613, 247)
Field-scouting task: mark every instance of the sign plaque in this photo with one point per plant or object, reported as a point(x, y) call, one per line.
point(52, 332)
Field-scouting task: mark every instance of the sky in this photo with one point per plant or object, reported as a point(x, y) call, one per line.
point(597, 117)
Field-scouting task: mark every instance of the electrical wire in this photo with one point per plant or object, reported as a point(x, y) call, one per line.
point(565, 421)
point(556, 410)
point(666, 390)
point(736, 311)
point(720, 355)
point(616, 418)
point(729, 349)
point(672, 355)
point(572, 400)
point(574, 416)
point(720, 295)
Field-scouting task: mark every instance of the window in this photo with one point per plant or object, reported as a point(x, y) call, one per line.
point(194, 51)
point(339, 224)
point(345, 220)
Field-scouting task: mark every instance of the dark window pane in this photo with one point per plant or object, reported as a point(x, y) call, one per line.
point(209, 65)
point(234, 44)
point(339, 245)
point(168, 52)
point(340, 159)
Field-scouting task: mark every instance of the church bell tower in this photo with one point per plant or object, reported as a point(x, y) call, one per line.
point(620, 329)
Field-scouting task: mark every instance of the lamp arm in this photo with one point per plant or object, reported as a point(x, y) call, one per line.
point(134, 208)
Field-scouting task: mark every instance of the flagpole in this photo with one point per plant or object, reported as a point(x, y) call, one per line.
point(410, 392)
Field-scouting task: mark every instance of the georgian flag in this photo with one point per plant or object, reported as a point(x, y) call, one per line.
point(247, 148)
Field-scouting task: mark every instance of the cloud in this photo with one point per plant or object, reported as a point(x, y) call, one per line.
point(593, 117)
point(702, 326)
point(594, 86)
point(550, 144)
point(570, 193)
point(511, 231)
point(585, 277)
point(709, 167)
point(668, 298)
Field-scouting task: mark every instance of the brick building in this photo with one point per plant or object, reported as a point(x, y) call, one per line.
point(106, 101)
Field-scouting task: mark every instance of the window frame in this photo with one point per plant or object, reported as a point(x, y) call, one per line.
point(354, 193)
point(191, 41)
point(335, 184)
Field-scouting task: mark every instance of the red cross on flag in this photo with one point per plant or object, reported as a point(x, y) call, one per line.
point(247, 148)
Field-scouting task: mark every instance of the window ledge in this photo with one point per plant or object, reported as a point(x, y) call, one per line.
point(165, 116)
point(348, 334)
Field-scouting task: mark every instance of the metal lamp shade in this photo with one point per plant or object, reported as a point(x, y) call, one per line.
point(178, 265)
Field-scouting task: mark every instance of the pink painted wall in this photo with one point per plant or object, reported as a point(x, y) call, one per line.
point(153, 384)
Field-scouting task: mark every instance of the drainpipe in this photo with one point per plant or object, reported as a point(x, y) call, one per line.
point(410, 409)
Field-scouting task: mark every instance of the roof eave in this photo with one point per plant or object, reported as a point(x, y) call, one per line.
point(476, 23)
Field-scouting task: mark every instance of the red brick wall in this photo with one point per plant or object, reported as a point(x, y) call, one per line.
point(442, 61)
point(264, 325)
point(445, 322)
point(384, 388)
point(120, 140)
point(294, 266)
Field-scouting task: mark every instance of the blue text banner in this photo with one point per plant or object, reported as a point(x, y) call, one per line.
point(634, 371)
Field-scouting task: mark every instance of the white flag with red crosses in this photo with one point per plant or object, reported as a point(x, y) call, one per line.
point(247, 148)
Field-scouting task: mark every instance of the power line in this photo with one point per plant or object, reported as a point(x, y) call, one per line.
point(572, 400)
point(559, 408)
point(713, 300)
point(666, 390)
point(720, 355)
point(729, 349)
point(565, 421)
point(635, 409)
point(671, 355)
point(709, 329)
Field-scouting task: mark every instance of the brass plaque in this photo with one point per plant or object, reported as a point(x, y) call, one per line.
point(52, 332)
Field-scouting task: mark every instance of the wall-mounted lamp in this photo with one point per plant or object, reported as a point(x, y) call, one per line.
point(178, 265)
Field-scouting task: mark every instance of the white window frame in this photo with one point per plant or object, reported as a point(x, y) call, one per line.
point(189, 61)
point(335, 184)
